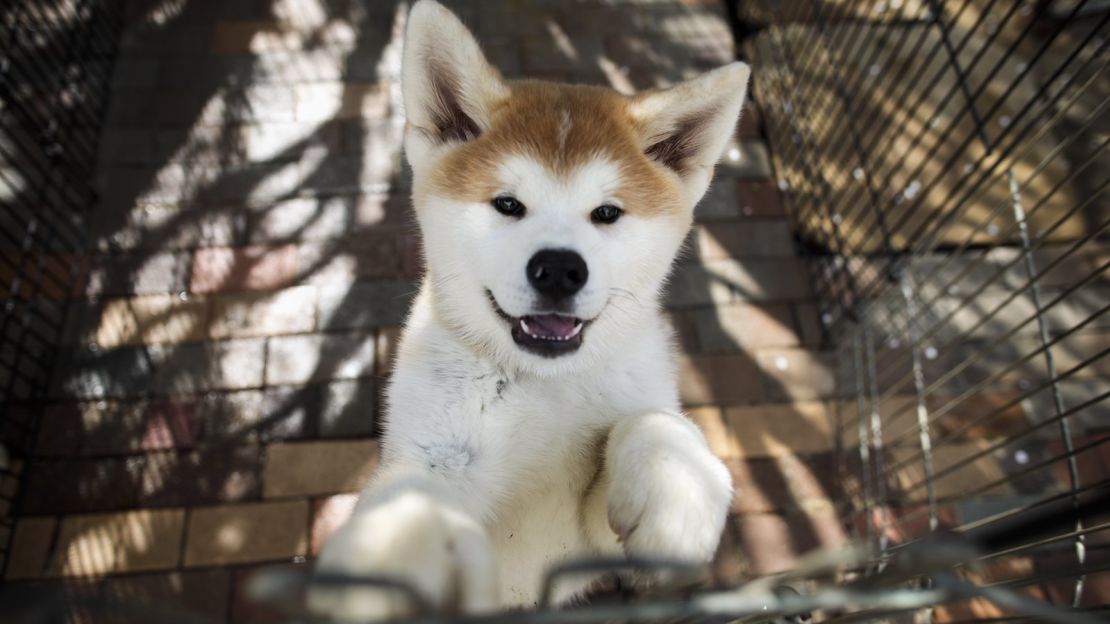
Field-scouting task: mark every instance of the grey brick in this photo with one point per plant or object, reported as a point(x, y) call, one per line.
point(134, 72)
point(347, 408)
point(365, 304)
point(73, 485)
point(745, 327)
point(208, 76)
point(746, 160)
point(319, 357)
point(753, 279)
point(200, 367)
point(91, 374)
point(720, 202)
point(316, 65)
point(1093, 419)
point(231, 415)
point(285, 140)
point(289, 412)
point(132, 108)
point(253, 103)
point(259, 415)
point(184, 38)
point(218, 474)
point(133, 146)
point(136, 273)
point(326, 217)
point(742, 239)
point(798, 375)
point(257, 181)
point(574, 53)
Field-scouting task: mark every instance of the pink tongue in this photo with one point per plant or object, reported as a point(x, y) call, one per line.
point(551, 325)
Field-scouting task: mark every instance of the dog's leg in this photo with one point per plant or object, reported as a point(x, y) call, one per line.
point(668, 495)
point(409, 525)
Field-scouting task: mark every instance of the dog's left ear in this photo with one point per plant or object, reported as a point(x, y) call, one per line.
point(448, 86)
point(686, 127)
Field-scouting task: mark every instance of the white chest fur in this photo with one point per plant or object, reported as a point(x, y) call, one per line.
point(523, 452)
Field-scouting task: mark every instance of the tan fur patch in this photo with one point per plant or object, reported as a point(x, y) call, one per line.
point(563, 127)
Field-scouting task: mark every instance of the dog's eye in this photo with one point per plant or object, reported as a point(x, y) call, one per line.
point(606, 214)
point(508, 206)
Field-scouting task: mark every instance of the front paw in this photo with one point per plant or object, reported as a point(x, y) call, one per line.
point(440, 553)
point(668, 495)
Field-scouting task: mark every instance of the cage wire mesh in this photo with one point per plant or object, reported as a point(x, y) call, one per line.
point(55, 64)
point(945, 165)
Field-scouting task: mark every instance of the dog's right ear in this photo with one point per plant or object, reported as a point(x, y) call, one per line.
point(448, 86)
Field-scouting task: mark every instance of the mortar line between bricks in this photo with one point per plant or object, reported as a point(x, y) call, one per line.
point(266, 340)
point(133, 507)
point(310, 512)
point(52, 550)
point(186, 517)
point(229, 608)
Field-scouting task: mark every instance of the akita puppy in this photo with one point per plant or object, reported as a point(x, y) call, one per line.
point(533, 414)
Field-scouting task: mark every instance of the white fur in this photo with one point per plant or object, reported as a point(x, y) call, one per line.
point(498, 463)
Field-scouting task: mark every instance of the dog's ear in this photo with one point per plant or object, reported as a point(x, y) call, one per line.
point(448, 86)
point(686, 127)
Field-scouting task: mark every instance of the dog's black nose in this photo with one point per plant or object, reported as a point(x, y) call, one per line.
point(557, 273)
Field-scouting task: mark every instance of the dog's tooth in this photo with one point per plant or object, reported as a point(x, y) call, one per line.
point(524, 327)
point(577, 330)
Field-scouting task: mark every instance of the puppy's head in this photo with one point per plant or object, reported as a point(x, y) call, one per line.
point(551, 213)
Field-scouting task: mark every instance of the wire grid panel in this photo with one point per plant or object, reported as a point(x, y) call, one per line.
point(945, 166)
point(55, 63)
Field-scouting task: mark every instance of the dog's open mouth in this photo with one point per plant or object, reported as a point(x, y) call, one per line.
point(549, 335)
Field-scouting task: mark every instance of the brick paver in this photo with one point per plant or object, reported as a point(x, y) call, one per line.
point(247, 533)
point(314, 468)
point(96, 544)
point(31, 547)
point(254, 258)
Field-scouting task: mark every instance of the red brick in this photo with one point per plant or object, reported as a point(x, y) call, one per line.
point(781, 430)
point(368, 256)
point(1008, 415)
point(719, 380)
point(218, 269)
point(1089, 463)
point(246, 533)
point(902, 523)
point(743, 327)
point(759, 198)
point(1061, 564)
point(773, 542)
point(30, 547)
point(728, 565)
point(170, 424)
point(751, 122)
point(786, 483)
point(797, 374)
point(328, 514)
point(744, 239)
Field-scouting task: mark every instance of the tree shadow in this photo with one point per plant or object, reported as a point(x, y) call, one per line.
point(174, 402)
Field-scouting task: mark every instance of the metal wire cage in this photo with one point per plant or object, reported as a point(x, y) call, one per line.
point(945, 164)
point(55, 65)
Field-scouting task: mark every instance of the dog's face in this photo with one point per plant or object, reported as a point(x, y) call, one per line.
point(551, 213)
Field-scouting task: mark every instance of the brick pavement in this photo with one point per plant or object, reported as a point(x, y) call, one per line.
point(253, 259)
